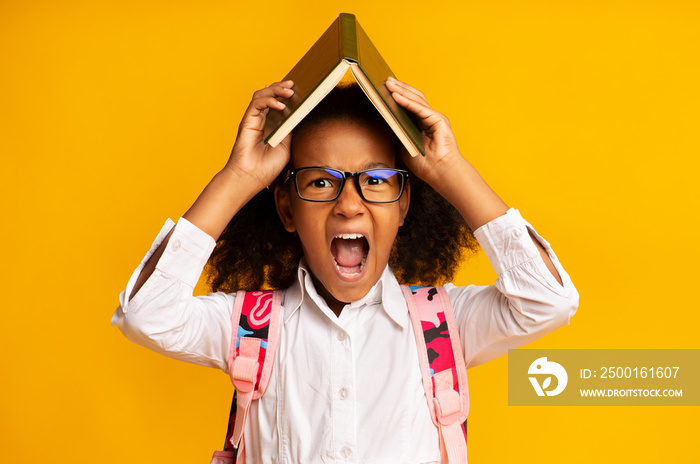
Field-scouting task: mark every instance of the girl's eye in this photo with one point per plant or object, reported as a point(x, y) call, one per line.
point(375, 181)
point(378, 178)
point(321, 183)
point(318, 181)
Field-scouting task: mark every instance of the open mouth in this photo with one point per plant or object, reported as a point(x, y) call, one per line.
point(349, 253)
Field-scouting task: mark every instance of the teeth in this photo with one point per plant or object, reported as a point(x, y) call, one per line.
point(362, 266)
point(348, 236)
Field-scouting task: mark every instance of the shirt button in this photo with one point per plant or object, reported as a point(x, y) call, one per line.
point(516, 233)
point(341, 336)
point(345, 452)
point(176, 244)
point(342, 393)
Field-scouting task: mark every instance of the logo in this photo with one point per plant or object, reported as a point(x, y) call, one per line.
point(550, 368)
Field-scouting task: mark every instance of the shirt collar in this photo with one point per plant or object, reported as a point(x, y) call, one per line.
point(386, 293)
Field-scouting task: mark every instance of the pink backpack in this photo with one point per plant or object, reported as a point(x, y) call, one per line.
point(252, 354)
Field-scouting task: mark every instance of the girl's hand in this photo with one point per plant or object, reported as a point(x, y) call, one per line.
point(441, 152)
point(251, 158)
point(251, 167)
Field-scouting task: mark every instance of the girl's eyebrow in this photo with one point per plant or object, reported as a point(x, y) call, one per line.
point(375, 165)
point(372, 165)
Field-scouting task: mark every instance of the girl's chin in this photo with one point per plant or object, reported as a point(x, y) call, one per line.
point(353, 288)
point(346, 285)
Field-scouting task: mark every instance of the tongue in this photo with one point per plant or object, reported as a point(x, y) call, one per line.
point(348, 253)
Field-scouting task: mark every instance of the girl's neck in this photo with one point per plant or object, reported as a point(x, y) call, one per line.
point(333, 303)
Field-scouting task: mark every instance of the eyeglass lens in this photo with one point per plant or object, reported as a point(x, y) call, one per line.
point(324, 184)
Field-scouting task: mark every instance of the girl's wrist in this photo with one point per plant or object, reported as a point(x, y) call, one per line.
point(450, 167)
point(462, 185)
point(220, 200)
point(237, 178)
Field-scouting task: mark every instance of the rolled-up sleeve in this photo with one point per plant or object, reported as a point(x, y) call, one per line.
point(164, 316)
point(525, 303)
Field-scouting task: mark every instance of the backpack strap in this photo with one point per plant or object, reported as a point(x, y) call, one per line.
point(442, 366)
point(255, 329)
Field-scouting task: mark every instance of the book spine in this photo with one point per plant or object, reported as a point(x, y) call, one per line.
point(348, 38)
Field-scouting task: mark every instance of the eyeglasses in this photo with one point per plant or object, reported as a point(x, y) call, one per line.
point(381, 185)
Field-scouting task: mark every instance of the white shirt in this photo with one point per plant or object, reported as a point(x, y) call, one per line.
point(347, 388)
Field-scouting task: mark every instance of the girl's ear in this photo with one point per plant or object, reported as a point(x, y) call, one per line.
point(284, 208)
point(404, 202)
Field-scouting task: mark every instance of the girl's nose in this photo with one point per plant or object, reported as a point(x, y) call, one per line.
point(349, 203)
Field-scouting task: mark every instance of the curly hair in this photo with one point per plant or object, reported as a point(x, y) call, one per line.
point(255, 252)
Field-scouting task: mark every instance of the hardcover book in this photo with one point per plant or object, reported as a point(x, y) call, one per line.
point(344, 46)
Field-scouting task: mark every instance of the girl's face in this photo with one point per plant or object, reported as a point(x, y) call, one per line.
point(346, 268)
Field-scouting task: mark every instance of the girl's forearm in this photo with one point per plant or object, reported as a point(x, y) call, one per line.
point(462, 185)
point(251, 167)
point(220, 200)
point(478, 204)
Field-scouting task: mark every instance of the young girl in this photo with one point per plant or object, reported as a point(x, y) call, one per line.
point(346, 384)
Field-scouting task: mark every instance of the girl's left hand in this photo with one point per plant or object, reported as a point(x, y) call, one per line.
point(441, 152)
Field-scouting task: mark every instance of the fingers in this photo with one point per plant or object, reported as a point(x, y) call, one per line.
point(414, 101)
point(278, 89)
point(407, 89)
point(250, 154)
point(263, 100)
point(266, 98)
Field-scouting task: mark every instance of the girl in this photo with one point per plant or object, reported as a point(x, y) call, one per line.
point(346, 385)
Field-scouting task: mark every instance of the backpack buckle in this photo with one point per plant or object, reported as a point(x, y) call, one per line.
point(447, 415)
point(447, 402)
point(244, 374)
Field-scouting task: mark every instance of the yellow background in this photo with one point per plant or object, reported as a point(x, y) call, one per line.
point(115, 114)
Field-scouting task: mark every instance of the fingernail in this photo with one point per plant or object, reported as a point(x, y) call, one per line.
point(281, 105)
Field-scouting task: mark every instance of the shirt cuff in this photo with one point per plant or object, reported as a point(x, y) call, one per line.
point(183, 258)
point(506, 241)
point(187, 252)
point(124, 299)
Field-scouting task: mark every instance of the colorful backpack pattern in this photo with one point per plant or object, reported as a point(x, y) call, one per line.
point(256, 316)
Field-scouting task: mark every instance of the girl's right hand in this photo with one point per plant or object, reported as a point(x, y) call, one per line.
point(251, 158)
point(252, 166)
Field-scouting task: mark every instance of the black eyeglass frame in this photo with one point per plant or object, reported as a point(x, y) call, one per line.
point(292, 173)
